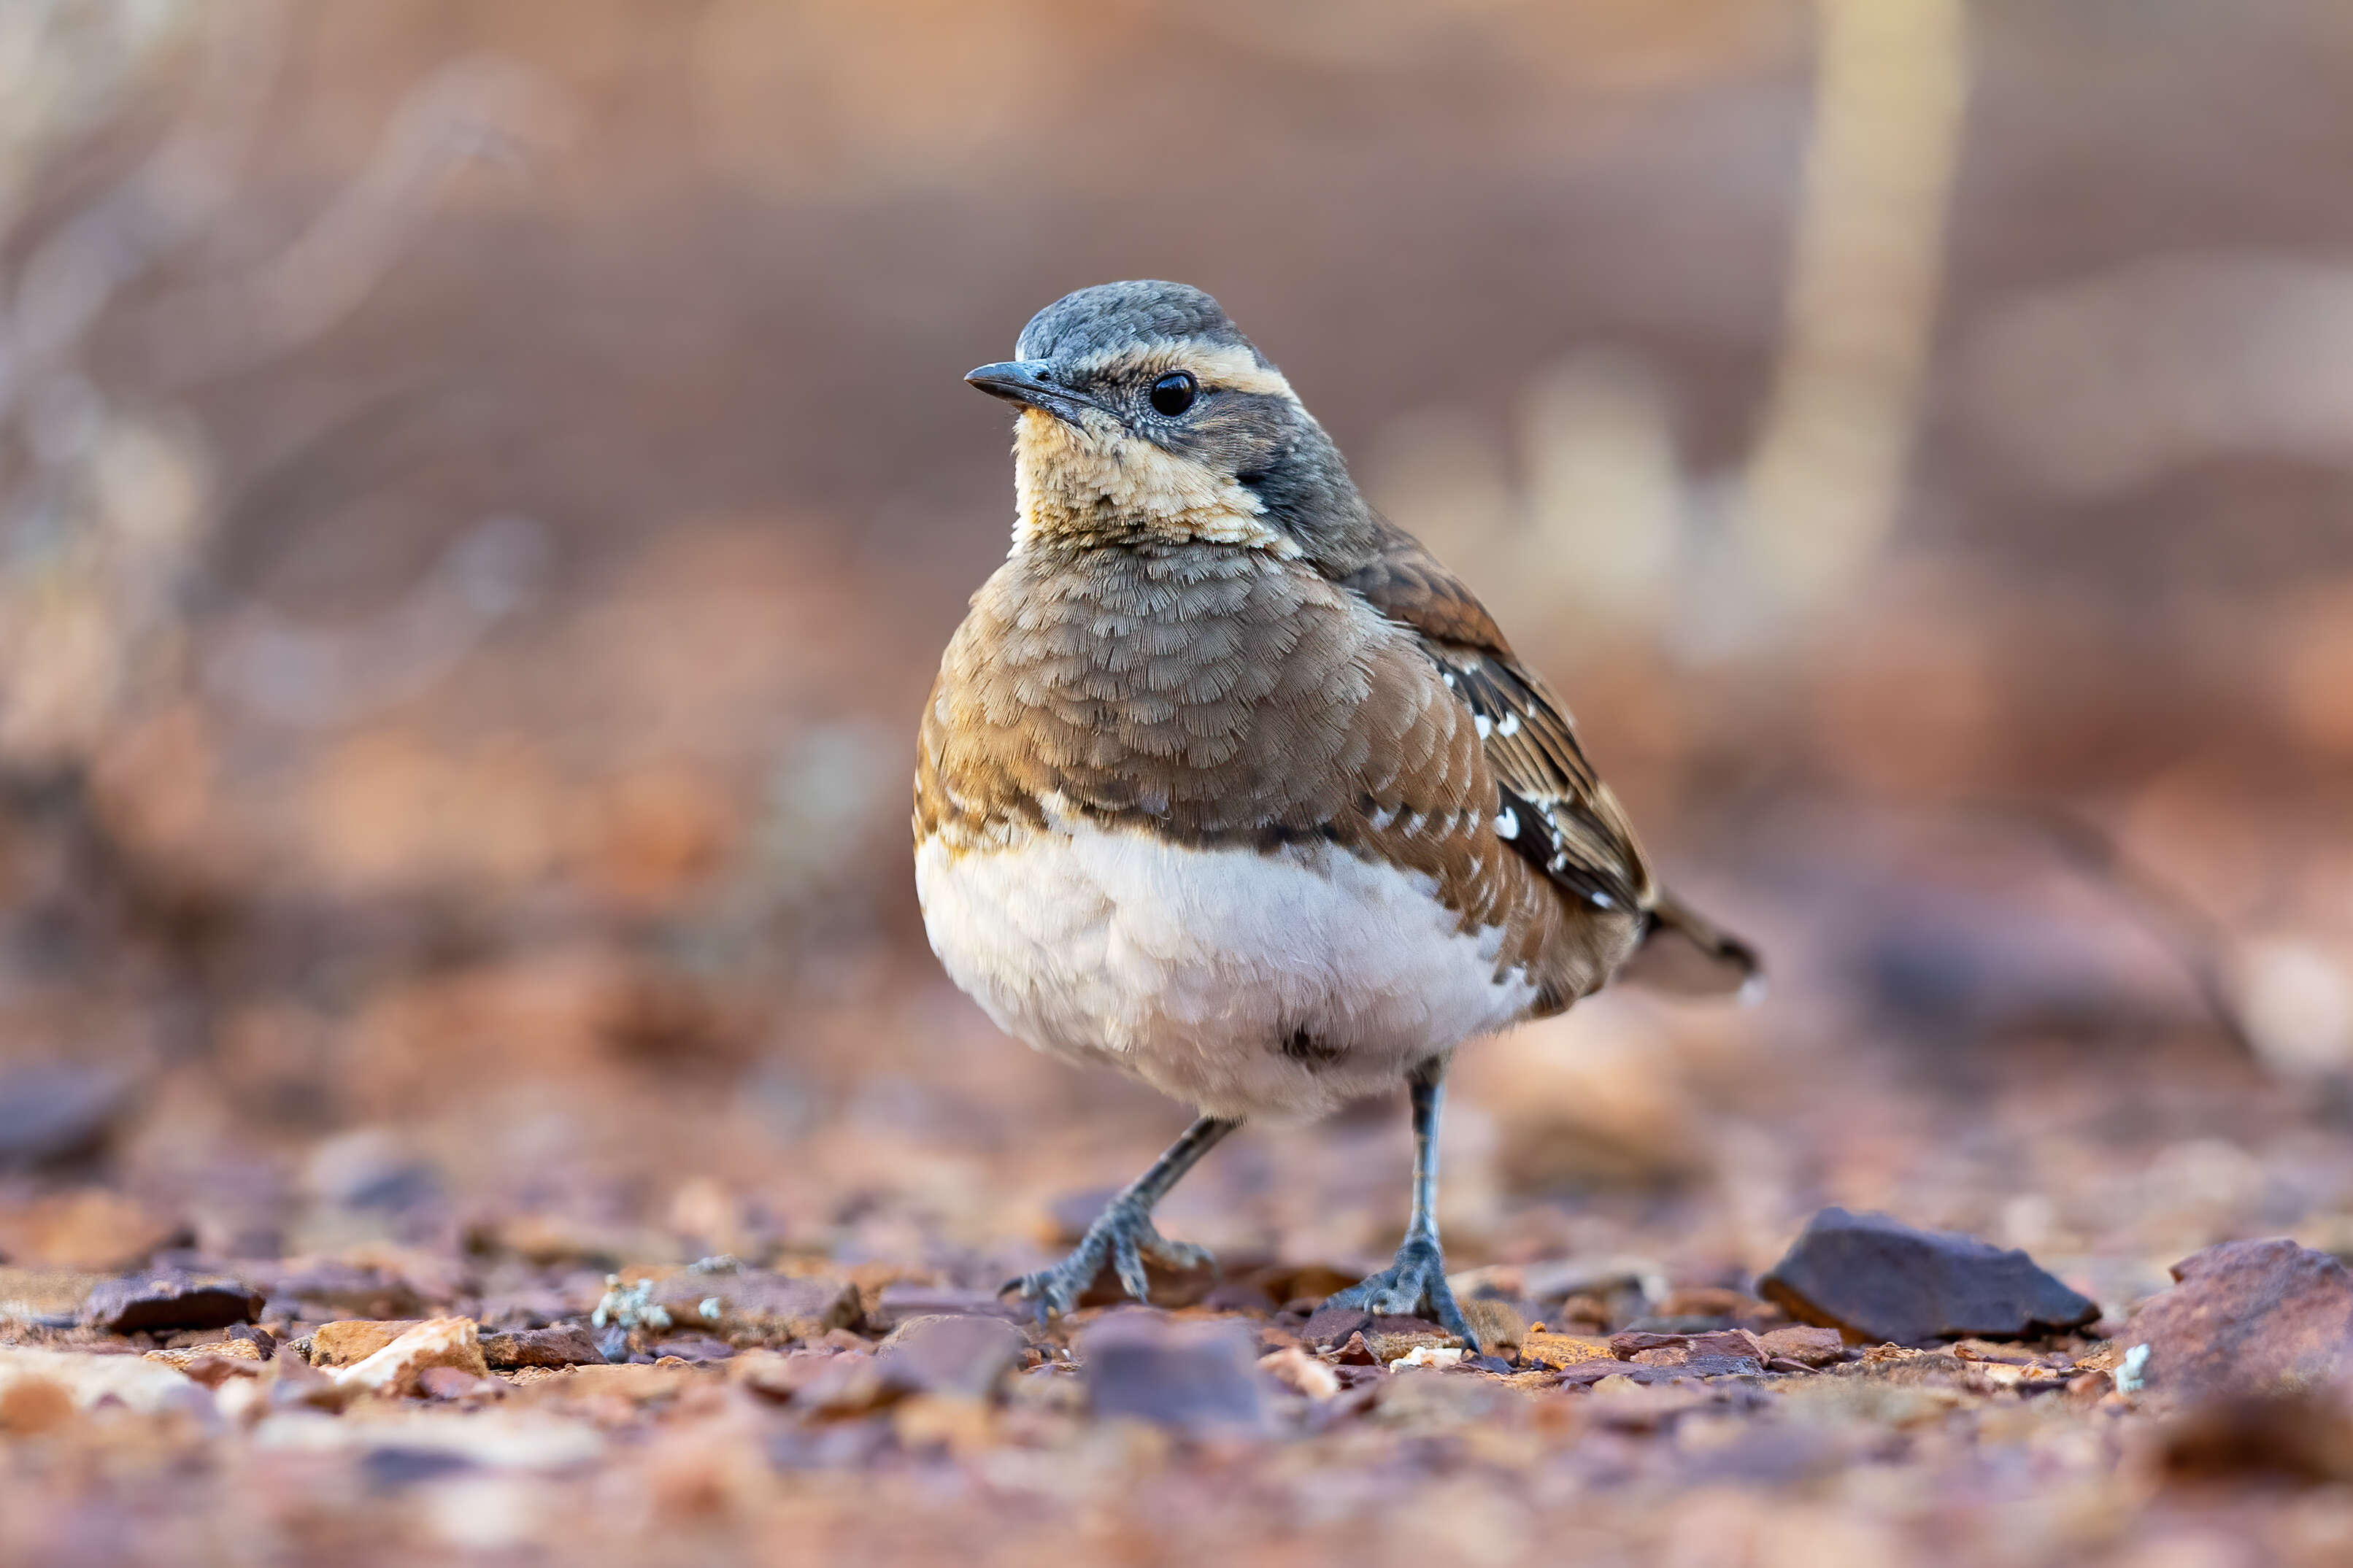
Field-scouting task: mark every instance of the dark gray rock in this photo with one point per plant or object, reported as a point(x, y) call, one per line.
point(1878, 1278)
point(953, 1354)
point(165, 1300)
point(393, 1469)
point(1199, 1377)
point(326, 1291)
point(53, 1112)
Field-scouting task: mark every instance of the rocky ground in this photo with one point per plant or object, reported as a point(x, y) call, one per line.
point(529, 1394)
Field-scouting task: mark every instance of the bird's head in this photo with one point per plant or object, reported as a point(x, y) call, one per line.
point(1145, 414)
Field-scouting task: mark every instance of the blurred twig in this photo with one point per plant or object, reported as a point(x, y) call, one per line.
point(100, 505)
point(1825, 479)
point(73, 274)
point(109, 502)
point(2198, 943)
point(470, 109)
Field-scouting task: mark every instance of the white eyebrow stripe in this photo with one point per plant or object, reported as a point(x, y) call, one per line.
point(1232, 368)
point(1238, 370)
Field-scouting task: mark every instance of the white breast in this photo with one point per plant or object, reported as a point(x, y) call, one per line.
point(1193, 968)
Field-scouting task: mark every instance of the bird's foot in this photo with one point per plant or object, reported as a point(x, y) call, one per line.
point(1412, 1286)
point(1123, 1235)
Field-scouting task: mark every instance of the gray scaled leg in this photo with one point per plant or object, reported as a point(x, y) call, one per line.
point(1123, 1232)
point(1415, 1285)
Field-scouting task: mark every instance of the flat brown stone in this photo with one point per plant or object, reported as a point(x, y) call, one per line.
point(1716, 1345)
point(964, 1356)
point(1808, 1344)
point(349, 1340)
point(1392, 1338)
point(161, 1300)
point(1330, 1325)
point(1199, 1376)
point(2249, 1320)
point(399, 1366)
point(899, 1303)
point(1565, 1350)
point(565, 1346)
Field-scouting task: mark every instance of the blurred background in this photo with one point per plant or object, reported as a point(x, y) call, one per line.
point(484, 488)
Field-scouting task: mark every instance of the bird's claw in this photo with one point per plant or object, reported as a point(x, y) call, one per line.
point(1122, 1237)
point(1412, 1286)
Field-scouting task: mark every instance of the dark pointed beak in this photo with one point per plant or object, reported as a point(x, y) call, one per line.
point(1031, 384)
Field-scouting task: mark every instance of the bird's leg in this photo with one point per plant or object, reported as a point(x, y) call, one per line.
point(1415, 1285)
point(1123, 1232)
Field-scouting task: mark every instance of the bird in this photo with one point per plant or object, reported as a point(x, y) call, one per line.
point(1225, 782)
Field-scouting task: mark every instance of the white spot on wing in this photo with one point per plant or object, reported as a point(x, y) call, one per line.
point(1507, 823)
point(1510, 726)
point(1486, 726)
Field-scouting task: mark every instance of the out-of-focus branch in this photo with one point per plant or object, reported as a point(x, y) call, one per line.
point(471, 109)
point(2201, 943)
point(71, 276)
point(65, 68)
point(1824, 481)
point(1610, 512)
point(109, 493)
point(106, 499)
point(98, 508)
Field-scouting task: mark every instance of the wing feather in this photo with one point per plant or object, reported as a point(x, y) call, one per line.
point(1565, 819)
point(1559, 814)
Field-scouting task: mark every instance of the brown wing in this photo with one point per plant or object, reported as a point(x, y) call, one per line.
point(1568, 822)
point(1565, 819)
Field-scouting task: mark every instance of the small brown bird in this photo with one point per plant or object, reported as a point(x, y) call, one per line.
point(1226, 781)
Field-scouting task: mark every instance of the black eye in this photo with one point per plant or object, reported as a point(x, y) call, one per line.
point(1172, 395)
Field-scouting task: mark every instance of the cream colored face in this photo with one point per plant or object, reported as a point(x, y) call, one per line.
point(1074, 481)
point(1118, 465)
